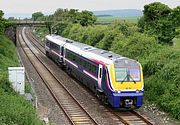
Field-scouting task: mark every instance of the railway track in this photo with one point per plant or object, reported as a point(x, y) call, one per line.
point(132, 118)
point(65, 100)
point(126, 117)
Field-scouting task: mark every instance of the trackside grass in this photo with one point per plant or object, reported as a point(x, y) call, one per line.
point(14, 110)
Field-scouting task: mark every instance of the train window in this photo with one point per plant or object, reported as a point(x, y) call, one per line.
point(77, 60)
point(74, 57)
point(84, 64)
point(88, 66)
point(93, 69)
point(121, 74)
point(48, 43)
point(68, 55)
point(134, 74)
point(80, 61)
point(51, 45)
point(127, 74)
point(55, 47)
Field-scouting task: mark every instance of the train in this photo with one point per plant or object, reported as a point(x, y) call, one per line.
point(114, 79)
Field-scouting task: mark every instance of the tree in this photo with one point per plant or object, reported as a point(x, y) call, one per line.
point(73, 15)
point(158, 22)
point(37, 15)
point(176, 19)
point(176, 16)
point(87, 18)
point(66, 15)
point(1, 14)
point(141, 24)
point(1, 22)
point(60, 14)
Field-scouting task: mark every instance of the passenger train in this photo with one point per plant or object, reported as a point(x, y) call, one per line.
point(115, 79)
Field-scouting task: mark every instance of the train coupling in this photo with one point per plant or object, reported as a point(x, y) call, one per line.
point(128, 103)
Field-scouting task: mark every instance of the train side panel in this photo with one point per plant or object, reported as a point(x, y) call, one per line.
point(83, 69)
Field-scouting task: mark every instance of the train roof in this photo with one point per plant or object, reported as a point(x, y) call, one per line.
point(103, 55)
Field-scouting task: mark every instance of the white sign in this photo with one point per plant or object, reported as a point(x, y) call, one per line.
point(17, 78)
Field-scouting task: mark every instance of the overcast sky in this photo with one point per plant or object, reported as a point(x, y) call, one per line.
point(30, 6)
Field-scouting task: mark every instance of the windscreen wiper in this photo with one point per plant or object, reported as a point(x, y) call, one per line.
point(124, 79)
point(128, 76)
point(132, 79)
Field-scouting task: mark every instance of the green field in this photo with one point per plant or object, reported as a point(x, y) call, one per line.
point(111, 19)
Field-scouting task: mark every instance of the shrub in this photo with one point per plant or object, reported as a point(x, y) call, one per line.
point(136, 46)
point(15, 110)
point(108, 39)
point(92, 35)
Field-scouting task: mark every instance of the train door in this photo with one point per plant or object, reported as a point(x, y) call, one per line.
point(62, 54)
point(47, 47)
point(100, 71)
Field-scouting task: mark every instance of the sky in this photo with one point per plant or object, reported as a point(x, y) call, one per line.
point(49, 6)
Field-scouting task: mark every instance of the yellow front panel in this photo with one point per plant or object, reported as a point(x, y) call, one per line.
point(125, 85)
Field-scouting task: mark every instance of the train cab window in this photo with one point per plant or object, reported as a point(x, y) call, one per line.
point(127, 74)
point(121, 74)
point(134, 73)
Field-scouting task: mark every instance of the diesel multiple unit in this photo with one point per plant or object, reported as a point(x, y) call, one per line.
point(115, 79)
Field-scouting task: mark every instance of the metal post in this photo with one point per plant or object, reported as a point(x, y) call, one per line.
point(51, 30)
point(15, 35)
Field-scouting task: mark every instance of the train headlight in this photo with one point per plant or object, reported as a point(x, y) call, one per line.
point(116, 91)
point(137, 91)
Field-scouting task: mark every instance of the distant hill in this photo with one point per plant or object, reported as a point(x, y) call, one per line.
point(18, 15)
point(104, 15)
point(120, 13)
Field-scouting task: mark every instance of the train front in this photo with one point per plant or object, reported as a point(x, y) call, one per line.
point(126, 80)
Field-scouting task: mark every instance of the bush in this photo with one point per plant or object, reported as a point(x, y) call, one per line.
point(42, 32)
point(108, 39)
point(92, 35)
point(163, 87)
point(15, 110)
point(127, 29)
point(61, 27)
point(136, 46)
